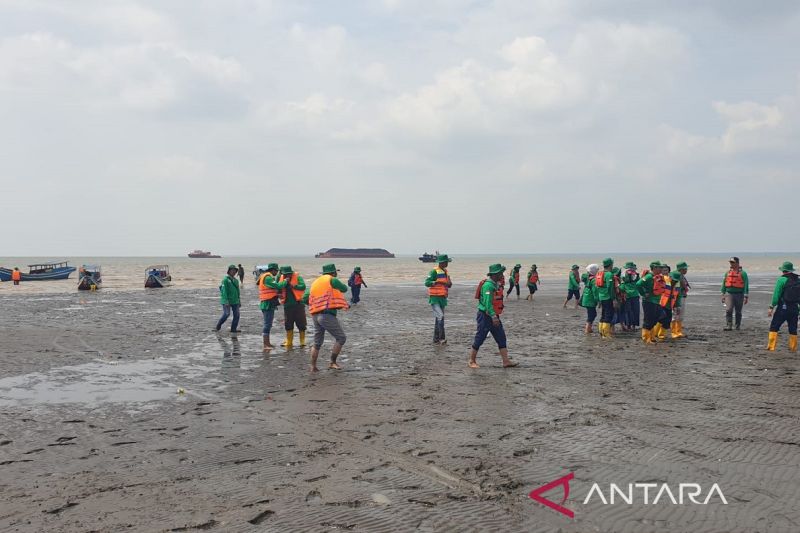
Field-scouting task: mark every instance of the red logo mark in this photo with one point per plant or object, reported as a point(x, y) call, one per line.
point(536, 494)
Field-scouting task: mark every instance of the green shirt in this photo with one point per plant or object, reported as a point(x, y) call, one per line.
point(777, 294)
point(606, 292)
point(273, 283)
point(589, 298)
point(435, 300)
point(291, 301)
point(229, 291)
point(735, 290)
point(645, 287)
point(487, 297)
point(628, 285)
point(573, 284)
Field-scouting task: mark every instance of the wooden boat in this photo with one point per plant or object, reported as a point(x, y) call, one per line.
point(41, 272)
point(89, 278)
point(157, 277)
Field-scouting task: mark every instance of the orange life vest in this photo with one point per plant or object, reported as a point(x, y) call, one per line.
point(266, 293)
point(534, 278)
point(323, 297)
point(497, 299)
point(16, 275)
point(600, 278)
point(669, 297)
point(298, 294)
point(734, 279)
point(659, 285)
point(357, 280)
point(516, 277)
point(439, 288)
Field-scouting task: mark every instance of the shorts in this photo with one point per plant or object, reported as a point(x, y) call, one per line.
point(573, 293)
point(532, 288)
point(326, 322)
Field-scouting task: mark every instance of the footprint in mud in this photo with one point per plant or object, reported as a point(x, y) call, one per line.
point(260, 517)
point(313, 497)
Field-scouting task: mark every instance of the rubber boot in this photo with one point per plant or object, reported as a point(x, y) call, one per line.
point(728, 324)
point(792, 343)
point(738, 323)
point(677, 329)
point(773, 341)
point(658, 332)
point(647, 336)
point(302, 338)
point(289, 342)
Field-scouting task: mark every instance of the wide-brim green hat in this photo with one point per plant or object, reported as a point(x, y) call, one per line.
point(443, 258)
point(330, 268)
point(630, 264)
point(575, 266)
point(286, 269)
point(607, 262)
point(681, 265)
point(675, 276)
point(496, 268)
point(655, 264)
point(357, 269)
point(787, 266)
point(272, 266)
point(233, 267)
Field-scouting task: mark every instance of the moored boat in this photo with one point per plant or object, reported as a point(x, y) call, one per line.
point(41, 272)
point(157, 277)
point(89, 278)
point(429, 258)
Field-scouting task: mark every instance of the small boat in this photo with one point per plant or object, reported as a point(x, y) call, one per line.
point(157, 276)
point(89, 278)
point(42, 272)
point(200, 254)
point(258, 270)
point(429, 258)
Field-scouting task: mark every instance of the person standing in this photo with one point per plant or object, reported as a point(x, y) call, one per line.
point(325, 298)
point(294, 311)
point(604, 281)
point(488, 320)
point(16, 276)
point(439, 283)
point(240, 273)
point(533, 282)
point(574, 286)
point(355, 282)
point(735, 290)
point(650, 289)
point(630, 312)
point(679, 312)
point(513, 280)
point(269, 289)
point(785, 306)
point(230, 299)
point(589, 298)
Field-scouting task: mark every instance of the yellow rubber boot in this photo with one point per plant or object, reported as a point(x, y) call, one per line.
point(302, 338)
point(792, 343)
point(289, 342)
point(646, 334)
point(677, 329)
point(605, 330)
point(773, 341)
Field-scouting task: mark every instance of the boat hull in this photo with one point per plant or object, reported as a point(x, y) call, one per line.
point(86, 284)
point(156, 282)
point(59, 273)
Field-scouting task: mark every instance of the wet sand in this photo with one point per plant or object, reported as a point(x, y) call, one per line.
point(95, 437)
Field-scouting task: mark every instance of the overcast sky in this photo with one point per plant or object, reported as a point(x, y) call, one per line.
point(267, 127)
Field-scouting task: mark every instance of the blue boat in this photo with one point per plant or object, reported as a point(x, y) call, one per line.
point(90, 278)
point(157, 277)
point(41, 272)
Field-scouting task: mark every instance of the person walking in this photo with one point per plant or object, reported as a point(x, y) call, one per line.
point(533, 282)
point(240, 273)
point(604, 281)
point(784, 307)
point(573, 286)
point(294, 311)
point(269, 289)
point(325, 298)
point(513, 280)
point(230, 299)
point(631, 309)
point(735, 290)
point(439, 283)
point(679, 312)
point(355, 282)
point(488, 320)
point(589, 299)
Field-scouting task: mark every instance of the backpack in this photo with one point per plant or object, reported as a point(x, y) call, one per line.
point(791, 291)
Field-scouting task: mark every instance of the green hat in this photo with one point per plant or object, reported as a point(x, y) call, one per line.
point(681, 265)
point(675, 276)
point(330, 268)
point(443, 258)
point(655, 264)
point(496, 268)
point(607, 262)
point(575, 266)
point(233, 267)
point(357, 269)
point(787, 266)
point(533, 265)
point(517, 266)
point(630, 264)
point(615, 270)
point(272, 266)
point(287, 269)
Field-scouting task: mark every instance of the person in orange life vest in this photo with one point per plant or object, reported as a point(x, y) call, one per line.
point(604, 281)
point(735, 288)
point(355, 282)
point(679, 312)
point(325, 298)
point(16, 276)
point(439, 283)
point(785, 306)
point(269, 289)
point(664, 323)
point(574, 286)
point(291, 298)
point(651, 287)
point(488, 319)
point(513, 280)
point(533, 282)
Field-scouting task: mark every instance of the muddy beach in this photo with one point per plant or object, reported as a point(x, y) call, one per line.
point(94, 435)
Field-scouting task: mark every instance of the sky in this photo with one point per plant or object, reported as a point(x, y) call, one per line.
point(265, 127)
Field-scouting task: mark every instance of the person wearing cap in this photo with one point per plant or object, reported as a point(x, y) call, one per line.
point(325, 298)
point(513, 280)
point(488, 320)
point(229, 297)
point(650, 287)
point(533, 282)
point(291, 298)
point(679, 312)
point(630, 309)
point(735, 290)
point(606, 294)
point(785, 306)
point(355, 282)
point(269, 290)
point(573, 286)
point(589, 299)
point(439, 283)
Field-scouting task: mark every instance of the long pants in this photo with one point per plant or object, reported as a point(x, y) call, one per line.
point(784, 313)
point(294, 315)
point(356, 294)
point(269, 316)
point(652, 313)
point(226, 312)
point(666, 317)
point(512, 287)
point(327, 322)
point(591, 314)
point(733, 303)
point(607, 311)
point(485, 327)
point(438, 327)
point(630, 312)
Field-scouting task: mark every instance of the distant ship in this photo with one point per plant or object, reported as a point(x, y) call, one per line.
point(360, 253)
point(429, 258)
point(200, 254)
